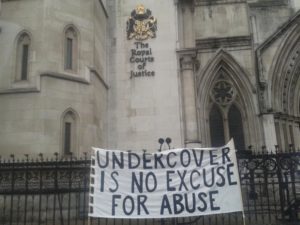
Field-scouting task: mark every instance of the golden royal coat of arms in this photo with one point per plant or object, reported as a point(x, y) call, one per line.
point(141, 25)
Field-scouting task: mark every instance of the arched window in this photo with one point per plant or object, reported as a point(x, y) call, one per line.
point(70, 49)
point(69, 132)
point(216, 127)
point(236, 127)
point(225, 119)
point(23, 52)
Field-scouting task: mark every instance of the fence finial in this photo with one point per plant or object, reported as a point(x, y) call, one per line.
point(161, 142)
point(56, 156)
point(276, 148)
point(168, 140)
point(41, 157)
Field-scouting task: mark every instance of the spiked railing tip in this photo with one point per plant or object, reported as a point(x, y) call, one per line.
point(161, 142)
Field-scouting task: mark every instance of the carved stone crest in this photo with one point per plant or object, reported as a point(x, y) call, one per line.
point(141, 25)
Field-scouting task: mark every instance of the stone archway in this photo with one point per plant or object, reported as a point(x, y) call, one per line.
point(224, 68)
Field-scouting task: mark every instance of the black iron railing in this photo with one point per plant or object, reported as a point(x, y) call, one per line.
point(55, 191)
point(44, 191)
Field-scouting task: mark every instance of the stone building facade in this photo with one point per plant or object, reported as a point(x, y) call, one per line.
point(53, 90)
point(239, 90)
point(77, 73)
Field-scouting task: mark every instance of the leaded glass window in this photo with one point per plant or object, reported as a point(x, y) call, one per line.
point(236, 127)
point(216, 127)
point(71, 49)
point(22, 60)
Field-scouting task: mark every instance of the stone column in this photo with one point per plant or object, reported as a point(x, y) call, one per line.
point(269, 131)
point(191, 137)
point(296, 129)
point(186, 25)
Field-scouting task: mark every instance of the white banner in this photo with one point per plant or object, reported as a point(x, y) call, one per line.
point(173, 183)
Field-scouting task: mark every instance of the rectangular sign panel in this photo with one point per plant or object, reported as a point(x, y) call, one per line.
point(173, 183)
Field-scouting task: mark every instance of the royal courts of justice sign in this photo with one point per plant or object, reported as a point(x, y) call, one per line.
point(173, 183)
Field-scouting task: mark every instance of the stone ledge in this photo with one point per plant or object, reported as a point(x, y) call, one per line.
point(216, 43)
point(217, 2)
point(19, 90)
point(268, 3)
point(98, 75)
point(65, 76)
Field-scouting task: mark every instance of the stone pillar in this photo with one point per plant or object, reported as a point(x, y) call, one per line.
point(191, 137)
point(269, 131)
point(296, 128)
point(185, 22)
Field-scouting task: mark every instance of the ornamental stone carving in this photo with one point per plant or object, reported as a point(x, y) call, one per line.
point(223, 93)
point(187, 62)
point(141, 25)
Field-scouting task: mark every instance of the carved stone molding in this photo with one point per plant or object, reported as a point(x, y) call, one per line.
point(284, 116)
point(262, 98)
point(223, 93)
point(187, 59)
point(187, 4)
point(290, 80)
point(291, 26)
point(216, 43)
point(186, 63)
point(269, 3)
point(216, 2)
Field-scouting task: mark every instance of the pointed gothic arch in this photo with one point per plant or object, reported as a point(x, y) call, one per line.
point(23, 49)
point(69, 132)
point(226, 123)
point(284, 90)
point(71, 48)
point(238, 79)
point(284, 74)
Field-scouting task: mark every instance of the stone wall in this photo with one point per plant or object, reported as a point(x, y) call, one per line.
point(127, 104)
point(143, 109)
point(31, 110)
